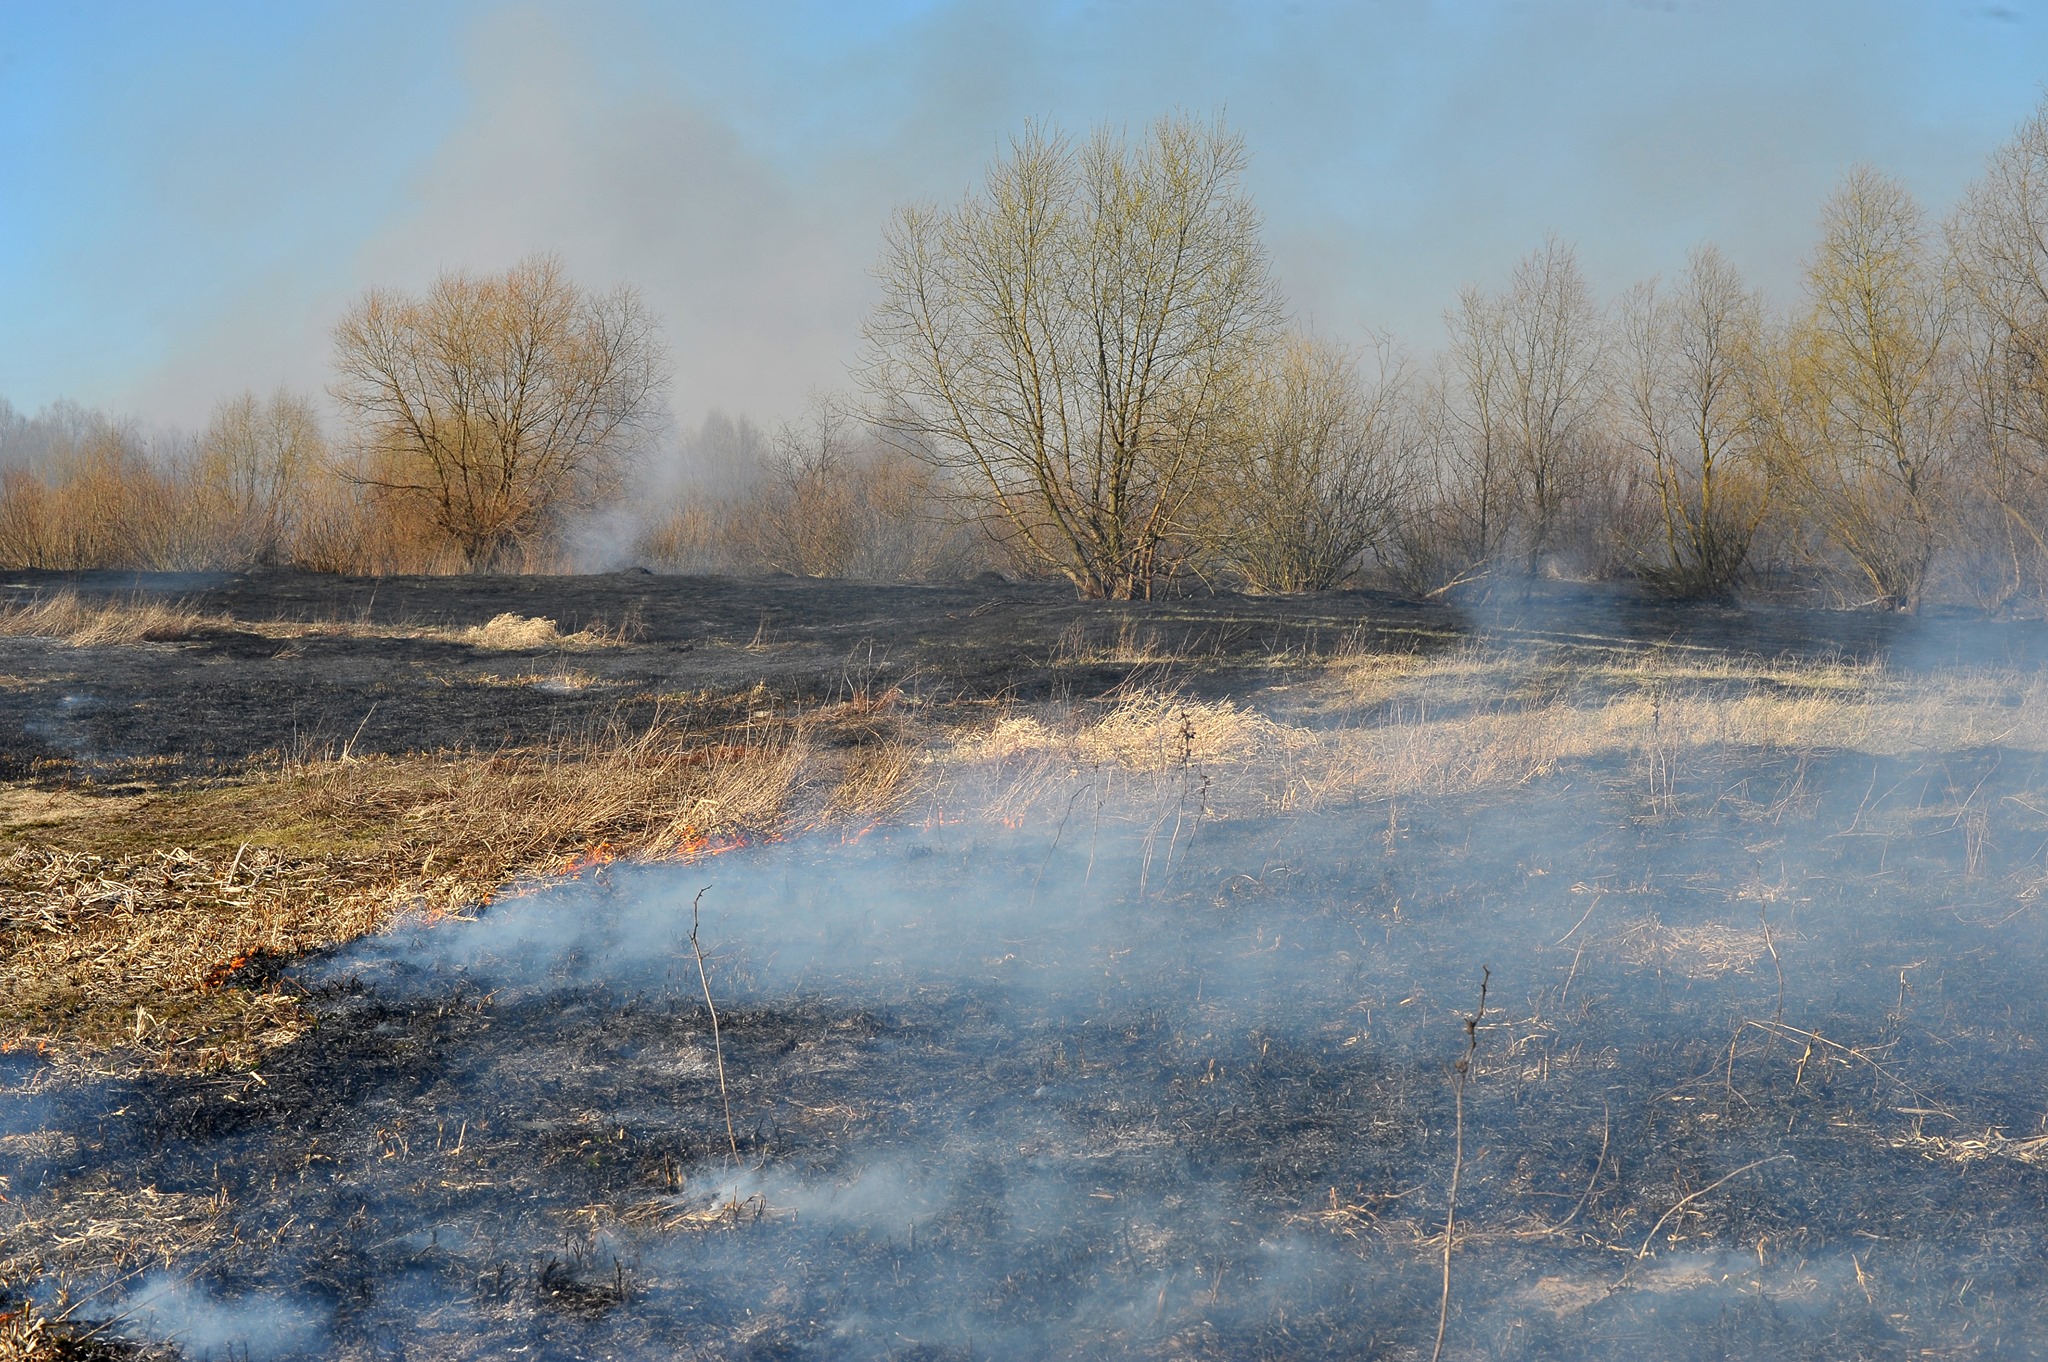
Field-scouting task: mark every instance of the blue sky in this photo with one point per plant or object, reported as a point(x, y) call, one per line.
point(191, 193)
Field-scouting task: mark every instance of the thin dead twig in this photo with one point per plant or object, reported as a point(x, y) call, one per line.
point(732, 1140)
point(1461, 1073)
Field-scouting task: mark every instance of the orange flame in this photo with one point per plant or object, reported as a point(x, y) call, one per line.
point(218, 976)
point(589, 859)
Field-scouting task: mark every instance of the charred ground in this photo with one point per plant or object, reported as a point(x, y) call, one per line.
point(273, 664)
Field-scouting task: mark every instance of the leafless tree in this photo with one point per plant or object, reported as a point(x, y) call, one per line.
point(1552, 343)
point(496, 403)
point(1474, 514)
point(1686, 359)
point(1068, 340)
point(1999, 243)
point(1863, 415)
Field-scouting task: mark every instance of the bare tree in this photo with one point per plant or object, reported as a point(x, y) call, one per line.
point(1515, 401)
point(1863, 418)
point(1685, 389)
point(1999, 243)
point(1552, 348)
point(1315, 480)
point(249, 473)
point(1068, 340)
point(497, 403)
point(1473, 515)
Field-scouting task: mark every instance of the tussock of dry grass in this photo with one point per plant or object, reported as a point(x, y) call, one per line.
point(510, 632)
point(68, 618)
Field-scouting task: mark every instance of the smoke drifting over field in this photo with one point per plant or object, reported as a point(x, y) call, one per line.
point(1127, 1076)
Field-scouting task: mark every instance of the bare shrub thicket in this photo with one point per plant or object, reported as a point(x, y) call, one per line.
point(261, 485)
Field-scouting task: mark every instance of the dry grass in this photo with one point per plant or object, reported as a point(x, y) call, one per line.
point(68, 618)
point(506, 632)
point(1395, 727)
point(126, 925)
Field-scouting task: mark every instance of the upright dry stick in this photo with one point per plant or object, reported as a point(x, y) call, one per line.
point(717, 1045)
point(1461, 1072)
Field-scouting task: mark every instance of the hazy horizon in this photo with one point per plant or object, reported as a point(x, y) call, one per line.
point(193, 196)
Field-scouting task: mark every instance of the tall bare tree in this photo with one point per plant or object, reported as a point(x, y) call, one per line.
point(496, 403)
point(1552, 345)
point(1068, 340)
point(1474, 513)
point(1999, 243)
point(1685, 386)
point(1312, 486)
point(1864, 426)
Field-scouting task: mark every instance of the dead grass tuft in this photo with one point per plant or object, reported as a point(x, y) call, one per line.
point(67, 618)
point(1709, 951)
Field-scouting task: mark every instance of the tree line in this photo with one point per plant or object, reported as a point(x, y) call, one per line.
point(1084, 368)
